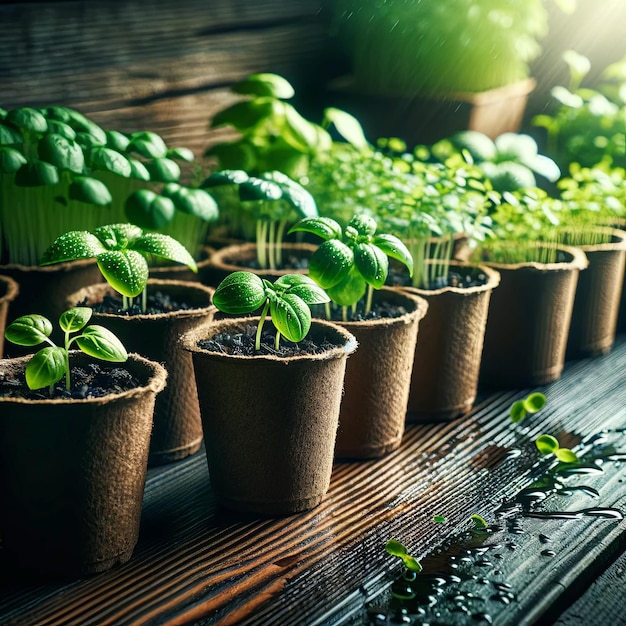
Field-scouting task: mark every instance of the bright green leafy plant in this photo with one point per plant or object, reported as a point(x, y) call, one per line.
point(51, 363)
point(287, 301)
point(396, 548)
point(121, 252)
point(352, 261)
point(272, 201)
point(479, 521)
point(547, 444)
point(439, 519)
point(532, 403)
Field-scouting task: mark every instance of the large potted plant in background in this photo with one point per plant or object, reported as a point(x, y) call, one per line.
point(74, 439)
point(269, 399)
point(352, 265)
point(60, 171)
point(423, 70)
point(149, 315)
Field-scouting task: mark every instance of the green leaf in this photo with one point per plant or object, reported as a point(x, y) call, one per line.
point(125, 270)
point(89, 190)
point(62, 153)
point(60, 128)
point(146, 209)
point(195, 202)
point(350, 290)
point(73, 320)
point(411, 563)
point(347, 126)
point(165, 247)
point(297, 131)
point(534, 402)
point(147, 144)
point(265, 84)
point(479, 521)
point(565, 455)
point(225, 177)
point(331, 263)
point(234, 154)
point(395, 548)
point(244, 115)
point(163, 170)
point(138, 170)
point(291, 316)
point(36, 173)
point(324, 227)
point(101, 343)
point(28, 330)
point(240, 292)
point(9, 136)
point(10, 160)
point(394, 248)
point(517, 412)
point(546, 444)
point(294, 193)
point(372, 263)
point(258, 189)
point(180, 153)
point(310, 293)
point(117, 141)
point(85, 126)
point(439, 519)
point(45, 368)
point(108, 160)
point(363, 224)
point(29, 119)
point(76, 244)
point(117, 236)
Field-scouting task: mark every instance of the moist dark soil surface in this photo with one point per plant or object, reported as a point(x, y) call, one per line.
point(158, 302)
point(472, 278)
point(242, 344)
point(290, 262)
point(380, 310)
point(90, 381)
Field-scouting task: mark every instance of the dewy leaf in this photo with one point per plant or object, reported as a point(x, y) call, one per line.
point(76, 244)
point(146, 209)
point(324, 227)
point(240, 292)
point(372, 263)
point(294, 193)
point(165, 247)
point(45, 368)
point(309, 293)
point(36, 173)
point(546, 444)
point(117, 236)
point(265, 84)
point(62, 153)
point(394, 248)
point(330, 263)
point(350, 290)
point(28, 330)
point(291, 316)
point(347, 126)
point(73, 320)
point(89, 190)
point(125, 270)
point(101, 343)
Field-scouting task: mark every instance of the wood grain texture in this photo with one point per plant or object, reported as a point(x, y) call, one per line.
point(197, 564)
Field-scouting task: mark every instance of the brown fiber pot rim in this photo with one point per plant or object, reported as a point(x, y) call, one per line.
point(618, 243)
point(12, 289)
point(156, 373)
point(234, 257)
point(181, 286)
point(66, 266)
point(577, 261)
point(347, 343)
point(493, 280)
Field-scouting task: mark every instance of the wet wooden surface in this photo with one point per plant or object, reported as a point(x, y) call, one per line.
point(197, 564)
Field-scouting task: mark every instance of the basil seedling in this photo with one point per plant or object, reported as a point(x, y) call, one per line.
point(51, 363)
point(531, 404)
point(287, 301)
point(352, 261)
point(547, 444)
point(121, 251)
point(395, 548)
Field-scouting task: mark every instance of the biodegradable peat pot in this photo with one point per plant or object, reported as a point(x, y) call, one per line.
point(8, 292)
point(72, 474)
point(177, 431)
point(243, 256)
point(269, 422)
point(598, 296)
point(378, 378)
point(44, 290)
point(529, 319)
point(449, 348)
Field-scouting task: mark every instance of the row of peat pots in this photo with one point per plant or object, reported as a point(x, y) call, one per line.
point(274, 426)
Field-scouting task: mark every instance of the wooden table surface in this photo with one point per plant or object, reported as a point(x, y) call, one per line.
point(552, 554)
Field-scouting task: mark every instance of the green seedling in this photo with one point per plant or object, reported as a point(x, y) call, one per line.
point(287, 300)
point(51, 363)
point(352, 261)
point(547, 444)
point(478, 521)
point(395, 548)
point(529, 405)
point(439, 519)
point(122, 252)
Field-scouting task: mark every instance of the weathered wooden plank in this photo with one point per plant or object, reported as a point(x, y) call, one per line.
point(198, 564)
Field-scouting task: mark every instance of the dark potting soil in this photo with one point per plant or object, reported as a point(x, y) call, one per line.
point(379, 310)
point(290, 262)
point(157, 302)
point(89, 381)
point(471, 278)
point(242, 344)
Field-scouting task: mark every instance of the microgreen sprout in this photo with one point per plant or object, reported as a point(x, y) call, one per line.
point(395, 548)
point(352, 261)
point(122, 252)
point(478, 521)
point(532, 403)
point(439, 519)
point(547, 444)
point(287, 300)
point(51, 363)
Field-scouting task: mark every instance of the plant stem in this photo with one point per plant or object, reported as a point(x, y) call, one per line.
point(344, 313)
point(277, 342)
point(259, 330)
point(327, 310)
point(368, 301)
point(66, 357)
point(144, 299)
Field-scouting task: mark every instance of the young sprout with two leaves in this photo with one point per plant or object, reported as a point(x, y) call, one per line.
point(352, 262)
point(51, 363)
point(547, 444)
point(271, 200)
point(531, 404)
point(396, 548)
point(287, 300)
point(121, 252)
